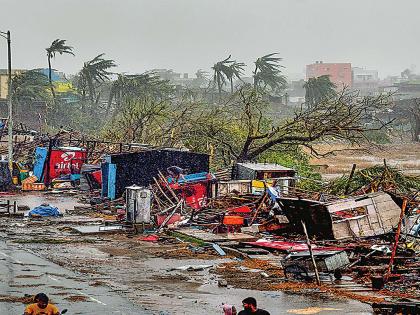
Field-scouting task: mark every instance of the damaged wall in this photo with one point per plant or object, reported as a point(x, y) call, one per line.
point(358, 217)
point(367, 215)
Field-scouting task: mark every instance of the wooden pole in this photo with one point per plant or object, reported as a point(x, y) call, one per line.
point(346, 191)
point(397, 236)
point(308, 242)
point(258, 209)
point(163, 179)
point(163, 193)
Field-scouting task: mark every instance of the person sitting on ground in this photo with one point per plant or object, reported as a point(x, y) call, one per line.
point(250, 307)
point(41, 306)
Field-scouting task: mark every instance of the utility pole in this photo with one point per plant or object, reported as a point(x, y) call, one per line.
point(9, 101)
point(10, 107)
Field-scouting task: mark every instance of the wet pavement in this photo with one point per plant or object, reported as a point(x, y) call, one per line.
point(22, 272)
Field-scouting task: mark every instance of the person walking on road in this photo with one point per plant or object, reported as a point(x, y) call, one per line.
point(250, 307)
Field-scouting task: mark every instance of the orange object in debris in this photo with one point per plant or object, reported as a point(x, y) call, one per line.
point(30, 179)
point(33, 186)
point(233, 220)
point(26, 186)
point(38, 186)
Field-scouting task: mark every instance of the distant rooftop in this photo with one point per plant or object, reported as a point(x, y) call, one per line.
point(265, 167)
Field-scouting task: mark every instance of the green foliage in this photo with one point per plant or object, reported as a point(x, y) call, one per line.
point(140, 119)
point(227, 69)
point(71, 116)
point(59, 46)
point(30, 86)
point(297, 159)
point(93, 74)
point(374, 178)
point(139, 85)
point(319, 89)
point(267, 73)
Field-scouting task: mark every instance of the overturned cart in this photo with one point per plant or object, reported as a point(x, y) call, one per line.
point(299, 265)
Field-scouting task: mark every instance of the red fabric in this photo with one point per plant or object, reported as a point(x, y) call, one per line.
point(150, 238)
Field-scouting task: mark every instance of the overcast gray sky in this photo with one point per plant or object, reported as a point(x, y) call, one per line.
point(186, 35)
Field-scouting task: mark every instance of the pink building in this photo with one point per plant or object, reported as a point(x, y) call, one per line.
point(339, 73)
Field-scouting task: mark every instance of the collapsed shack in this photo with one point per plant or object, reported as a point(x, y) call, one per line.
point(355, 217)
point(126, 169)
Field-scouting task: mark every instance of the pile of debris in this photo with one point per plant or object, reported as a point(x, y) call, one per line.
point(364, 226)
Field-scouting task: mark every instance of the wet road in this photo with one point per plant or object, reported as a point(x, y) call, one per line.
point(22, 272)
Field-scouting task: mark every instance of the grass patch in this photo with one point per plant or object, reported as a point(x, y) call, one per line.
point(187, 238)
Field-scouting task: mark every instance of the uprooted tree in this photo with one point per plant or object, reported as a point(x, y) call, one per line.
point(241, 129)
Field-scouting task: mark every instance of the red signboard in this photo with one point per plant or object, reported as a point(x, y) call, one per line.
point(65, 161)
point(194, 194)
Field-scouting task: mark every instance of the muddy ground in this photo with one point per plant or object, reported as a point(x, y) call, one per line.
point(404, 156)
point(146, 273)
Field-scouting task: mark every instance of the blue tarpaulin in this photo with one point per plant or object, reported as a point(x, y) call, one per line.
point(44, 211)
point(196, 177)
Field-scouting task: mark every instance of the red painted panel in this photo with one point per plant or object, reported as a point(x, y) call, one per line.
point(194, 194)
point(64, 162)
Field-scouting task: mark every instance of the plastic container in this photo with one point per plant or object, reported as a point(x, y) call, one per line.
point(23, 175)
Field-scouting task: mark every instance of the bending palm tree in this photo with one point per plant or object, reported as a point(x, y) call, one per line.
point(57, 46)
point(93, 74)
point(222, 72)
point(267, 73)
point(236, 70)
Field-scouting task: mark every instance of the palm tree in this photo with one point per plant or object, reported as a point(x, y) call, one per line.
point(319, 89)
point(267, 73)
point(92, 75)
point(236, 70)
point(57, 46)
point(222, 72)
